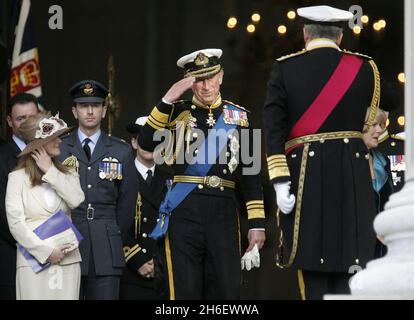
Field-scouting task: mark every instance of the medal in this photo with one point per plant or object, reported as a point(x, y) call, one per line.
point(211, 121)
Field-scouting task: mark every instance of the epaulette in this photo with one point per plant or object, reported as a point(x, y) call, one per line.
point(396, 137)
point(116, 139)
point(236, 105)
point(65, 136)
point(288, 56)
point(357, 54)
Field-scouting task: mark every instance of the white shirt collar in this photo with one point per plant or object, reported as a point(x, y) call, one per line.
point(321, 43)
point(20, 143)
point(143, 169)
point(94, 138)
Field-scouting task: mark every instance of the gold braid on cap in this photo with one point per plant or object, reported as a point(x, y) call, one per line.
point(205, 72)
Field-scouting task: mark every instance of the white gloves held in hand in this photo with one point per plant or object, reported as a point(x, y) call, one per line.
point(285, 200)
point(251, 259)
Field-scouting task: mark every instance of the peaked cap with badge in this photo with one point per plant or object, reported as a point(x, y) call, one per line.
point(88, 91)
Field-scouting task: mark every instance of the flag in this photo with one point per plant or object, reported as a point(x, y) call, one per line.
point(25, 72)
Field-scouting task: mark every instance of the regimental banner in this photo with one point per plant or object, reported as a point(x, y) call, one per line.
point(25, 71)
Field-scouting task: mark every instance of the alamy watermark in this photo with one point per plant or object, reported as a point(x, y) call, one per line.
point(357, 19)
point(56, 18)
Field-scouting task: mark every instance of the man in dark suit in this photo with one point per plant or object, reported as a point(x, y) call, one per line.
point(144, 187)
point(313, 117)
point(21, 106)
point(100, 159)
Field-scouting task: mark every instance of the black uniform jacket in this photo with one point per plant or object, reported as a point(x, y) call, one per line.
point(102, 235)
point(335, 228)
point(138, 212)
point(195, 115)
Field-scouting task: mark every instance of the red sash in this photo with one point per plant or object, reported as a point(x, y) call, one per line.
point(334, 90)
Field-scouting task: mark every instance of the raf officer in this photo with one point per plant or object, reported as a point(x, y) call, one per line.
point(144, 187)
point(100, 159)
point(202, 249)
point(317, 160)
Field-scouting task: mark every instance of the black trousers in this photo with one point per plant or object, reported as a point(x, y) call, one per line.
point(314, 285)
point(131, 291)
point(202, 251)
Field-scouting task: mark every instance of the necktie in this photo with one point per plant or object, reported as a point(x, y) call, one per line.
point(149, 177)
point(86, 148)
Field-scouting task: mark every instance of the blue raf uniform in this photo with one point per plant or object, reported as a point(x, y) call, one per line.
point(101, 179)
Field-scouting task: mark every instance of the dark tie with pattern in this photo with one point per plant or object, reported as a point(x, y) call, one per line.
point(86, 148)
point(149, 177)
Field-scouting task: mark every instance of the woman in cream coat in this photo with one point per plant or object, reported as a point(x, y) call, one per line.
point(38, 188)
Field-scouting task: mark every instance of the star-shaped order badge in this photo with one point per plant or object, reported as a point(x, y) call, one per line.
point(211, 121)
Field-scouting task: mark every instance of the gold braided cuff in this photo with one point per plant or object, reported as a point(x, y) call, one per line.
point(130, 252)
point(277, 166)
point(255, 209)
point(158, 119)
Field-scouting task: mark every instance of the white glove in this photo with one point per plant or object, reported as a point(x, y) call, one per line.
point(251, 259)
point(285, 200)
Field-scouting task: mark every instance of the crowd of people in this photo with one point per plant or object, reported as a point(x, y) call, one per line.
point(135, 229)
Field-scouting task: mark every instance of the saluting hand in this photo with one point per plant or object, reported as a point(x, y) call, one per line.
point(178, 89)
point(43, 160)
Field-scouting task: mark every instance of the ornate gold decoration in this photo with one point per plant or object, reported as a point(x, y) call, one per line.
point(88, 89)
point(201, 59)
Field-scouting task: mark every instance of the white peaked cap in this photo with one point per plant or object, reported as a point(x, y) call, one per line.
point(324, 14)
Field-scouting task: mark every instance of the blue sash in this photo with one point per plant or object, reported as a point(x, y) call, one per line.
point(201, 167)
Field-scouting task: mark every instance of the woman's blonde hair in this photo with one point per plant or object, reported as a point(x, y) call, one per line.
point(27, 163)
point(380, 113)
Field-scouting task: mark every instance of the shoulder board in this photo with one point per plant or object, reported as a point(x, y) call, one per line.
point(288, 56)
point(357, 54)
point(394, 136)
point(236, 105)
point(116, 139)
point(67, 135)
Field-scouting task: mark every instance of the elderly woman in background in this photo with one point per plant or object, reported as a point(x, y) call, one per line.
point(38, 188)
point(379, 166)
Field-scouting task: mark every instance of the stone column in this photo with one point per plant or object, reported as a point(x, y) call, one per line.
point(393, 275)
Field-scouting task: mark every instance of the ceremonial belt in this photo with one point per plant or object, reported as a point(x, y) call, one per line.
point(201, 167)
point(321, 137)
point(209, 181)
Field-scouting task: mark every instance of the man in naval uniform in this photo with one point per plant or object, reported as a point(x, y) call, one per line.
point(318, 164)
point(144, 187)
point(100, 159)
point(202, 244)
